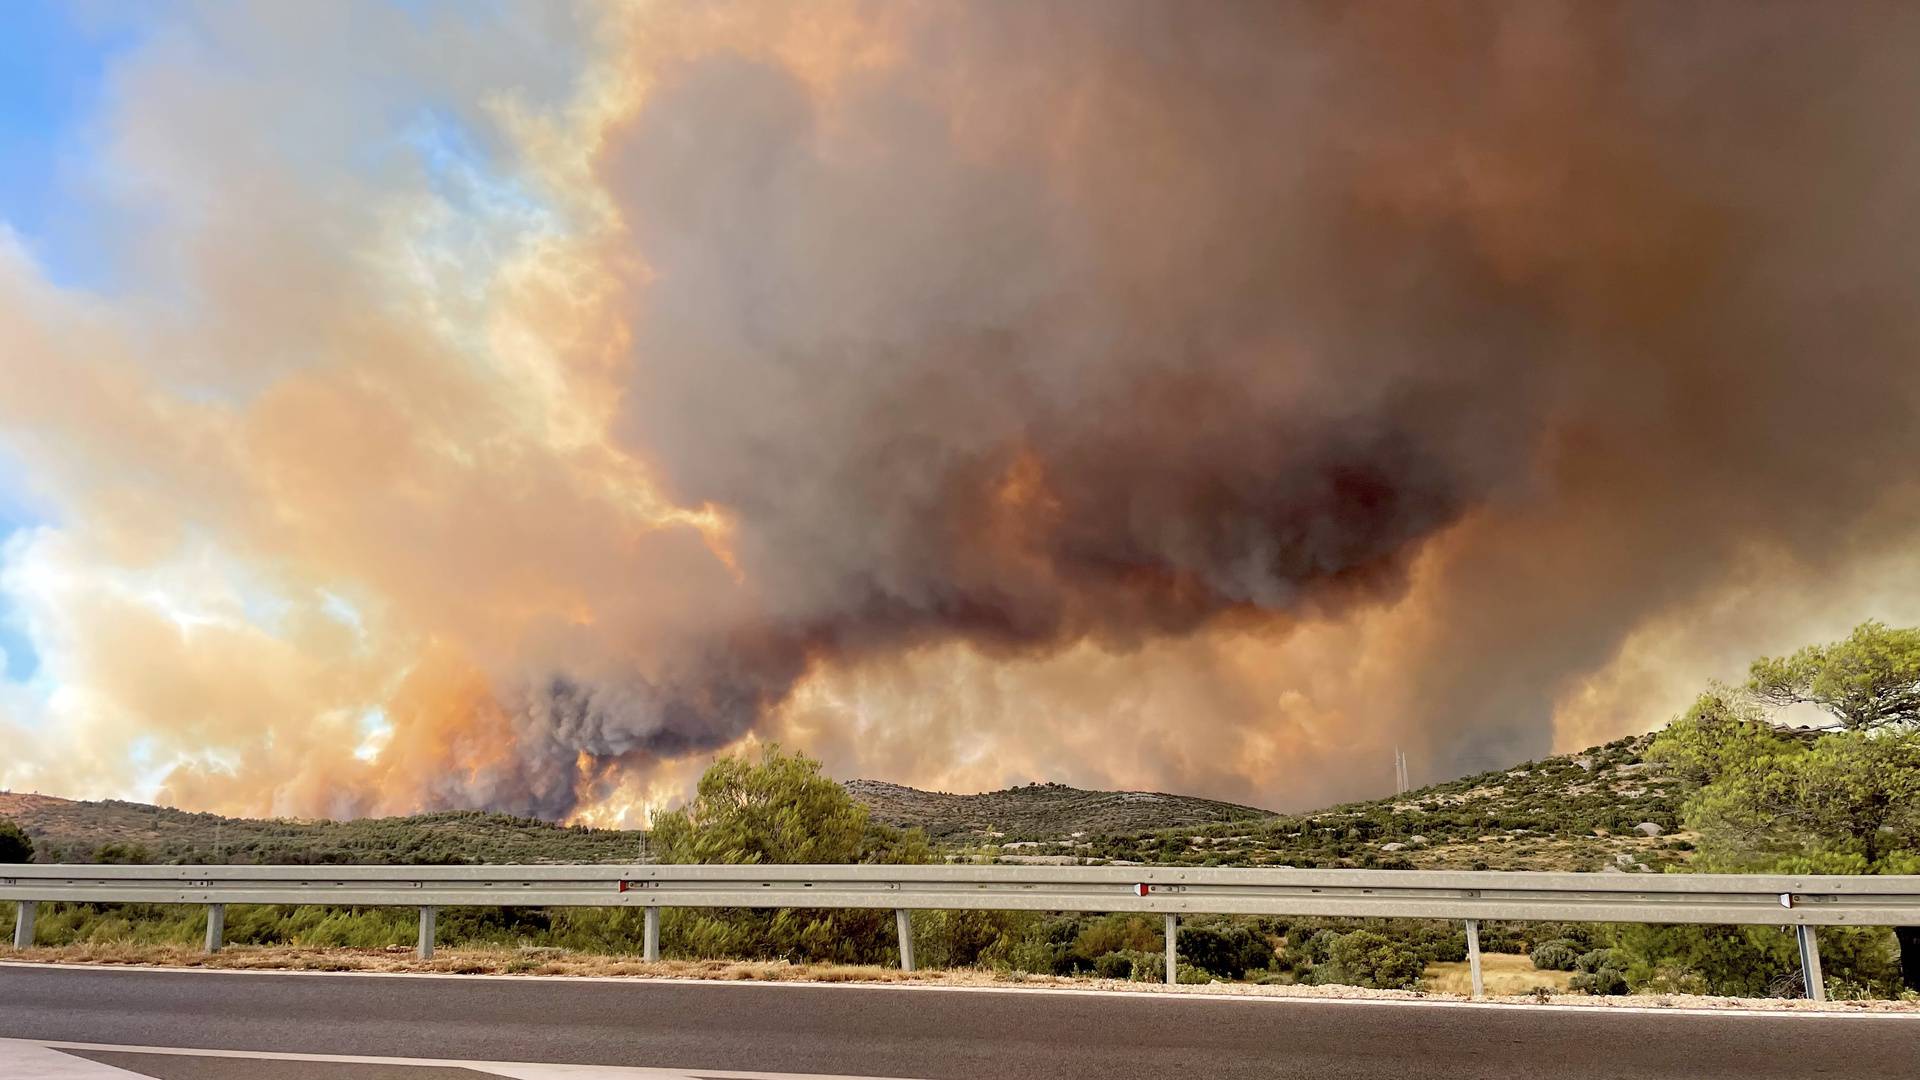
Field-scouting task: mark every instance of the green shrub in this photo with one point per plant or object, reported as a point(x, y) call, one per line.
point(1225, 949)
point(1758, 961)
point(1134, 966)
point(1318, 948)
point(1444, 948)
point(1670, 979)
point(1103, 934)
point(1606, 982)
point(15, 845)
point(1601, 972)
point(1047, 946)
point(1188, 975)
point(124, 854)
point(1596, 959)
point(1365, 958)
point(1560, 955)
point(951, 939)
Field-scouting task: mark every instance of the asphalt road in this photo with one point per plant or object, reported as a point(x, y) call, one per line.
point(930, 1034)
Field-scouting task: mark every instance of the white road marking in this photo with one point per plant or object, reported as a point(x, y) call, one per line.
point(35, 1061)
point(24, 1059)
point(1908, 1016)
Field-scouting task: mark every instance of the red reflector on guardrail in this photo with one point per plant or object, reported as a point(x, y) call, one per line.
point(623, 884)
point(1140, 890)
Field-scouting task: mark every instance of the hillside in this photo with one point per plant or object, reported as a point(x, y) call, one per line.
point(1583, 811)
point(114, 831)
point(1040, 812)
point(1603, 809)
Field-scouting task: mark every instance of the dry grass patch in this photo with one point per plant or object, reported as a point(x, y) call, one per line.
point(1503, 975)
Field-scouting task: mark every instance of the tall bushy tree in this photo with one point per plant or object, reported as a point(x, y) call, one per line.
point(15, 845)
point(1766, 798)
point(780, 809)
point(1868, 680)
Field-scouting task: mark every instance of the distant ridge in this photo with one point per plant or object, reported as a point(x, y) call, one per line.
point(1040, 811)
point(1604, 809)
point(74, 830)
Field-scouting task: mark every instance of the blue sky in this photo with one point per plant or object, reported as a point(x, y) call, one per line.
point(56, 63)
point(22, 662)
point(52, 68)
point(53, 64)
point(15, 513)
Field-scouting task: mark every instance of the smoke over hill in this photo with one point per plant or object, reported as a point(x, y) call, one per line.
point(1196, 396)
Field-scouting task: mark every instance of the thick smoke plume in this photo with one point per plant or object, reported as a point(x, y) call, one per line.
point(1208, 396)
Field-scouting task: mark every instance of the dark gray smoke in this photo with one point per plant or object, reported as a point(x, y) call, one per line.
point(1113, 321)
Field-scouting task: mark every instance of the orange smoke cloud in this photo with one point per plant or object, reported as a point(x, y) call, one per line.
point(1130, 394)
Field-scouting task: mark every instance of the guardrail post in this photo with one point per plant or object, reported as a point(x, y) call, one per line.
point(216, 926)
point(903, 920)
point(428, 916)
point(23, 924)
point(1810, 963)
point(1173, 952)
point(650, 937)
point(1473, 956)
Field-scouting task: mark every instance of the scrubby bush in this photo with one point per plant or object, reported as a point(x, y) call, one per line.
point(1595, 959)
point(1047, 946)
point(1671, 979)
point(1318, 948)
point(15, 845)
point(1305, 954)
point(14, 842)
point(1758, 961)
point(1606, 982)
point(1188, 975)
point(1365, 958)
point(1558, 955)
point(1126, 946)
point(1134, 966)
point(950, 939)
point(1103, 934)
point(1602, 972)
point(1448, 948)
point(1225, 949)
point(124, 854)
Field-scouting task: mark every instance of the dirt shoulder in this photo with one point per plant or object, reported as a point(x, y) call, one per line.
point(561, 963)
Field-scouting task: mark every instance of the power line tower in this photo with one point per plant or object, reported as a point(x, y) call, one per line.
point(1400, 781)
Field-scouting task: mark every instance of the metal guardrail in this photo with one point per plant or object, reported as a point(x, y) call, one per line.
point(1799, 901)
